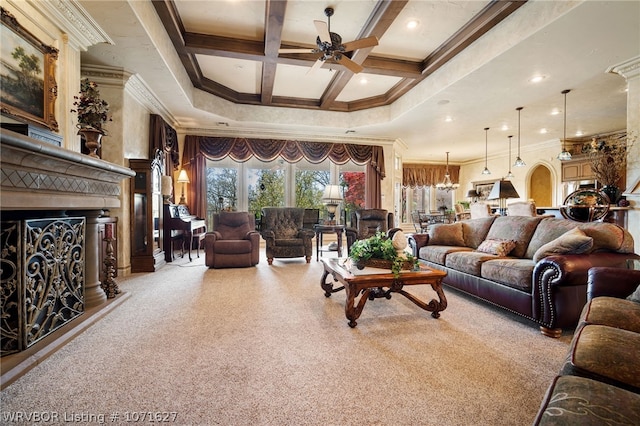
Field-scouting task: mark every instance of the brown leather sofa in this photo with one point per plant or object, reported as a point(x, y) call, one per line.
point(541, 278)
point(234, 242)
point(599, 381)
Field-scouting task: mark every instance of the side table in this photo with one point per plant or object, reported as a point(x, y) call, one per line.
point(327, 229)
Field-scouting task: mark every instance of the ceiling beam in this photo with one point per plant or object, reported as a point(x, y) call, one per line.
point(274, 19)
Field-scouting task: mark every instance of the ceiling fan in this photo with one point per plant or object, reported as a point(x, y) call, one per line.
point(331, 47)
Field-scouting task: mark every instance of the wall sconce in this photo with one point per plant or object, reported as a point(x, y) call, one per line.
point(183, 178)
point(166, 188)
point(331, 197)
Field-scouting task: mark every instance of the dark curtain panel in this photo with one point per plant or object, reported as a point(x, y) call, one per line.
point(242, 149)
point(164, 138)
point(416, 175)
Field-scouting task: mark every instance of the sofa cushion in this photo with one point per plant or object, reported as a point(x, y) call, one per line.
point(548, 230)
point(572, 400)
point(475, 230)
point(438, 254)
point(498, 247)
point(515, 273)
point(612, 312)
point(603, 352)
point(608, 237)
point(468, 261)
point(574, 241)
point(517, 228)
point(446, 234)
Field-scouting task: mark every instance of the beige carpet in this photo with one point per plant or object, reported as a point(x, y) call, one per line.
point(263, 346)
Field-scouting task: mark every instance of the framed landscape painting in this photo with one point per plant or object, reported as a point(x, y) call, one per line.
point(27, 73)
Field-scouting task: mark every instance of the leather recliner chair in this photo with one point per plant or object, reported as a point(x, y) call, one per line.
point(234, 241)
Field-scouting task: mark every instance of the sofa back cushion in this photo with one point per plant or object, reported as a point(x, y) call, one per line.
point(548, 230)
point(608, 237)
point(517, 228)
point(475, 230)
point(571, 242)
point(446, 234)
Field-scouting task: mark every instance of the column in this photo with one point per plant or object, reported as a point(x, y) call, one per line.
point(93, 293)
point(630, 70)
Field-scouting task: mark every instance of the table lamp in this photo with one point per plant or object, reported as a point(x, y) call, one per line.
point(183, 178)
point(166, 188)
point(331, 197)
point(502, 190)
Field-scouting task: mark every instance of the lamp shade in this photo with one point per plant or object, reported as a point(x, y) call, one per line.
point(502, 189)
point(183, 177)
point(332, 194)
point(472, 193)
point(166, 185)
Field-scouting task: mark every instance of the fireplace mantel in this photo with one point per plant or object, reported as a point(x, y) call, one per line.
point(41, 176)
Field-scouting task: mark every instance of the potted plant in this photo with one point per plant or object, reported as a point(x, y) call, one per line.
point(92, 114)
point(378, 251)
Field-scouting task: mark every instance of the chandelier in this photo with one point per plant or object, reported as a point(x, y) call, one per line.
point(447, 185)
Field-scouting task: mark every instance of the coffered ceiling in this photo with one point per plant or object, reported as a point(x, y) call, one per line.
point(465, 66)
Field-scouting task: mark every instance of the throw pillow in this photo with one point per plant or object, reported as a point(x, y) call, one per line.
point(574, 241)
point(446, 234)
point(635, 296)
point(499, 247)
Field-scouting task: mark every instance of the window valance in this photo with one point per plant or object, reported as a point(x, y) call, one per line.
point(418, 175)
point(242, 149)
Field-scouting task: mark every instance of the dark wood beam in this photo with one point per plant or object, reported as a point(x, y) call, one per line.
point(274, 19)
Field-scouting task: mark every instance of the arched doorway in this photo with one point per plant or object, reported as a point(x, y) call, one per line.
point(541, 186)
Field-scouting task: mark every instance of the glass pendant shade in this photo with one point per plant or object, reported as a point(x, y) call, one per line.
point(486, 169)
point(519, 162)
point(565, 155)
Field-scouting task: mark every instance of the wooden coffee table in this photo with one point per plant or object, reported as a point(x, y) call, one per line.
point(374, 285)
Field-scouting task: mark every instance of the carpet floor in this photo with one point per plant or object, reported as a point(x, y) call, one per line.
point(264, 346)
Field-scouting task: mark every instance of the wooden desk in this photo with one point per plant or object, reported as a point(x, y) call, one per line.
point(327, 229)
point(371, 285)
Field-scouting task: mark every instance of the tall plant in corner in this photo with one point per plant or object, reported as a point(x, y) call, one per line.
point(93, 113)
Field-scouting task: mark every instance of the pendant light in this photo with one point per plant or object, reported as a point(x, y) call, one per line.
point(509, 174)
point(519, 162)
point(486, 170)
point(565, 155)
point(447, 185)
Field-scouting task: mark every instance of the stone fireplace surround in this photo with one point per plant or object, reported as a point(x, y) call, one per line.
point(41, 182)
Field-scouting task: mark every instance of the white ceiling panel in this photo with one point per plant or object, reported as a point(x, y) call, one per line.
point(295, 82)
point(237, 74)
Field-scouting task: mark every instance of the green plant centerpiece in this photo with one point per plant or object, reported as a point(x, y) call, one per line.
point(379, 251)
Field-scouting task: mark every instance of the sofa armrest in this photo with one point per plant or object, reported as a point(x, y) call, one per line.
point(560, 285)
point(613, 282)
point(416, 241)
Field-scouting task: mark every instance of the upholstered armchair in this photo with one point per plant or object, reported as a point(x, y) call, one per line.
point(367, 222)
point(521, 208)
point(284, 233)
point(480, 209)
point(234, 242)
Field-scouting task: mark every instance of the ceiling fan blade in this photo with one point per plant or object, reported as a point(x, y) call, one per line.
point(295, 50)
point(317, 64)
point(354, 67)
point(323, 31)
point(361, 44)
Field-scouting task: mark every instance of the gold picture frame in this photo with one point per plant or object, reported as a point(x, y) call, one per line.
point(27, 70)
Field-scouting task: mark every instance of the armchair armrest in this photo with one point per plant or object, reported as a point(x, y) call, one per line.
point(268, 235)
point(613, 282)
point(416, 241)
point(306, 233)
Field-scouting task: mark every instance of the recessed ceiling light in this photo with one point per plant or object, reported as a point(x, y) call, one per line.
point(448, 119)
point(443, 102)
point(363, 80)
point(504, 127)
point(537, 78)
point(555, 111)
point(543, 131)
point(579, 133)
point(413, 24)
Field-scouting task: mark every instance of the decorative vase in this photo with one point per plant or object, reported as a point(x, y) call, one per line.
point(92, 140)
point(613, 192)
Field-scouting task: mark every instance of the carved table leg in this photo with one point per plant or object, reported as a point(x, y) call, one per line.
point(328, 286)
point(352, 310)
